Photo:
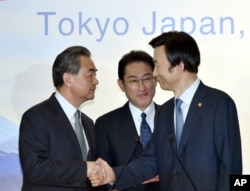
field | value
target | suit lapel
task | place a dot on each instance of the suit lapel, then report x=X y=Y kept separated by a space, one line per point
x=165 y=122
x=62 y=121
x=127 y=127
x=170 y=115
x=195 y=110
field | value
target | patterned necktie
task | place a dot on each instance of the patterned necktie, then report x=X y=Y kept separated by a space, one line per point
x=145 y=131
x=79 y=134
x=179 y=121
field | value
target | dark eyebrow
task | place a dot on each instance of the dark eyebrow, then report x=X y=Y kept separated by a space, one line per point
x=148 y=74
x=145 y=75
x=92 y=70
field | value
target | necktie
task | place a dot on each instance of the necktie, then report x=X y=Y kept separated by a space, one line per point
x=179 y=121
x=145 y=131
x=79 y=134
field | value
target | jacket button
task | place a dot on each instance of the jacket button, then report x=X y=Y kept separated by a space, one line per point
x=175 y=173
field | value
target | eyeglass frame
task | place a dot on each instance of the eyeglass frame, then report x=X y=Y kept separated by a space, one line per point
x=144 y=80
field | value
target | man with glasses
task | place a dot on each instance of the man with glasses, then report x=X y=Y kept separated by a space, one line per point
x=123 y=133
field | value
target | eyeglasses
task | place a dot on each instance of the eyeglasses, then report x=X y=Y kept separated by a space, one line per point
x=145 y=81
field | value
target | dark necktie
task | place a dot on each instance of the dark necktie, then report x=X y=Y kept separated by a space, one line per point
x=179 y=121
x=145 y=131
x=79 y=134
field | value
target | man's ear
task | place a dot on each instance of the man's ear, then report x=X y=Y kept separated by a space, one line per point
x=181 y=66
x=67 y=79
x=121 y=84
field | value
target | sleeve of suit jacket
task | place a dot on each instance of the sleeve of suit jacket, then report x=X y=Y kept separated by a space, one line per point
x=227 y=141
x=138 y=170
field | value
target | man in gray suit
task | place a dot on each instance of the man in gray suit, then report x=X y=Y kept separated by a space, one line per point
x=196 y=144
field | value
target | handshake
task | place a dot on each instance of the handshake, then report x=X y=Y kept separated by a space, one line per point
x=100 y=173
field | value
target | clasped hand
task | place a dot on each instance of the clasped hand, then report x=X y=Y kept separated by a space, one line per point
x=100 y=173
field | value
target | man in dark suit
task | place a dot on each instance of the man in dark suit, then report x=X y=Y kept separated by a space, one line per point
x=50 y=153
x=118 y=131
x=208 y=148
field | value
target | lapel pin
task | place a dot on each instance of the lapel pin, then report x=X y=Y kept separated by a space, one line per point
x=199 y=104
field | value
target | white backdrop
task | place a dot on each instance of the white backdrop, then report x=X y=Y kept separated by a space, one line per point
x=34 y=32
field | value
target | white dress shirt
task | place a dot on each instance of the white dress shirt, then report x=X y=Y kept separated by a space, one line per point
x=69 y=110
x=136 y=114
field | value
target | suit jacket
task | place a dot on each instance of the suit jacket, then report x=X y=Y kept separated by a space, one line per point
x=210 y=146
x=49 y=151
x=117 y=138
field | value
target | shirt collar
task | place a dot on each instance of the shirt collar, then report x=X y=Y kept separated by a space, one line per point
x=67 y=107
x=150 y=110
x=188 y=94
